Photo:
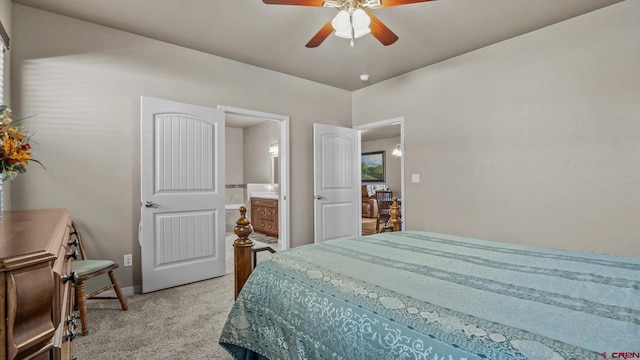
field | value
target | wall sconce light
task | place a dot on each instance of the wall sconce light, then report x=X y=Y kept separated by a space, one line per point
x=397 y=151
x=273 y=149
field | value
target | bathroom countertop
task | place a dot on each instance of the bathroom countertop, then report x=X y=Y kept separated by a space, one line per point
x=264 y=195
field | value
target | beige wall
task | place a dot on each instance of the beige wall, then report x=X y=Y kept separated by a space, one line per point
x=533 y=140
x=257 y=160
x=84 y=82
x=234 y=154
x=392 y=163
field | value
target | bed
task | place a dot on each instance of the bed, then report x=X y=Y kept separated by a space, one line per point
x=420 y=295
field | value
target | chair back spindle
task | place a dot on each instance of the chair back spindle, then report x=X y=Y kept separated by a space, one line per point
x=75 y=233
x=87 y=269
x=384 y=198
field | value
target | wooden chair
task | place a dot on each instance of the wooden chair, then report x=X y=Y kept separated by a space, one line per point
x=87 y=269
x=384 y=198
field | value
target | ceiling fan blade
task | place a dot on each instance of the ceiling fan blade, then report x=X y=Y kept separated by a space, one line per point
x=391 y=3
x=295 y=2
x=320 y=36
x=380 y=31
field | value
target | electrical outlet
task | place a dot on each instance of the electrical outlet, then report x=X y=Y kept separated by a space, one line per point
x=128 y=260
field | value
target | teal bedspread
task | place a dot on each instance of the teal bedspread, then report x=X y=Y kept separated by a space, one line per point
x=418 y=295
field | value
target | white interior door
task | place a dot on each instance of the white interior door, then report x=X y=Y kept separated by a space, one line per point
x=182 y=193
x=336 y=165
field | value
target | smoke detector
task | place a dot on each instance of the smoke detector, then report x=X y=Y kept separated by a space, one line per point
x=364 y=77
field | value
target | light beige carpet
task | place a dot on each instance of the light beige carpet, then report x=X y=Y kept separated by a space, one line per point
x=184 y=322
x=264 y=238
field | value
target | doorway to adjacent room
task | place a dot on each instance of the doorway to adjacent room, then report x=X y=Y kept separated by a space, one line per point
x=257 y=176
x=382 y=168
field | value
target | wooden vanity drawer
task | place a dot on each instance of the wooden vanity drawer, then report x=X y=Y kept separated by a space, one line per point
x=264 y=202
x=271 y=214
x=270 y=226
x=264 y=216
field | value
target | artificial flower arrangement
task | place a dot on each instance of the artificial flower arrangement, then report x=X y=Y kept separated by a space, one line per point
x=14 y=146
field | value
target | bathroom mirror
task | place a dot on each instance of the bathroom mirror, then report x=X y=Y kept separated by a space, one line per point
x=275 y=169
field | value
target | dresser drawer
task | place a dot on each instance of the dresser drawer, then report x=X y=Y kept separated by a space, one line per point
x=264 y=202
x=34 y=298
x=66 y=332
x=63 y=303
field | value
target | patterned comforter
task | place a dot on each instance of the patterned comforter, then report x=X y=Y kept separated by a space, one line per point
x=418 y=295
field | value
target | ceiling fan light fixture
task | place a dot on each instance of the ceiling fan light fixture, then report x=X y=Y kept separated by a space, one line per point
x=360 y=21
x=352 y=20
x=342 y=24
x=343 y=34
x=353 y=25
x=361 y=32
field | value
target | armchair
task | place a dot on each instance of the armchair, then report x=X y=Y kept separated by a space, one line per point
x=369 y=206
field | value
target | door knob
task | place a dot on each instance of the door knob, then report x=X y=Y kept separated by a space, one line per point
x=318 y=197
x=150 y=204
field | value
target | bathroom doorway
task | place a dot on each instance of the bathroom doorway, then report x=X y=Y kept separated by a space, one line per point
x=257 y=174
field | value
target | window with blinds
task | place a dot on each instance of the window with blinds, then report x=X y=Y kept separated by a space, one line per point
x=2 y=72
x=4 y=46
x=2 y=102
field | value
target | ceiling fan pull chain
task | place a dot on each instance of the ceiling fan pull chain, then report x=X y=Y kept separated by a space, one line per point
x=353 y=31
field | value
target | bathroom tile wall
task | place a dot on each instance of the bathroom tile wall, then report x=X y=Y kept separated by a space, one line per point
x=235 y=195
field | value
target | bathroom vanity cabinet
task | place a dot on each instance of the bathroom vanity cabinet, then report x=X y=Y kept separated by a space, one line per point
x=264 y=215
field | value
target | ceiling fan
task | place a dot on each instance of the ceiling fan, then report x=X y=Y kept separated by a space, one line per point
x=354 y=19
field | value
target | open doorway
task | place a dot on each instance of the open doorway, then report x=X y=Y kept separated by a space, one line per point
x=256 y=154
x=382 y=169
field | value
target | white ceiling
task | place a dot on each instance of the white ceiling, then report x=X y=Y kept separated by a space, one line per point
x=273 y=36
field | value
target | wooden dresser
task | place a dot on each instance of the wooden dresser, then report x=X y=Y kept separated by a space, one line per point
x=36 y=294
x=264 y=216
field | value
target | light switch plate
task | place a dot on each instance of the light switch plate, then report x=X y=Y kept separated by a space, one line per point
x=415 y=178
